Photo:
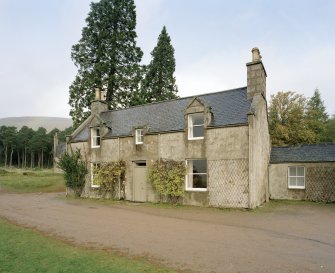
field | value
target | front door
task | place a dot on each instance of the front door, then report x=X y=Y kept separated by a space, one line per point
x=140 y=182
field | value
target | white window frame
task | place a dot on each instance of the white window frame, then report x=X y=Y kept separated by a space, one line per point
x=190 y=125
x=139 y=136
x=94 y=165
x=296 y=176
x=94 y=137
x=187 y=188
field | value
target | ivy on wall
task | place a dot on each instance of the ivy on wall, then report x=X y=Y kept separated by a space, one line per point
x=109 y=175
x=168 y=178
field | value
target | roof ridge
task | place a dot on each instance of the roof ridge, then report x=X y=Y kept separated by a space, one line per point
x=177 y=99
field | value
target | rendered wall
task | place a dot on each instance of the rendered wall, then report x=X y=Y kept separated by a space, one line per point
x=259 y=150
x=226 y=150
x=319 y=182
x=227 y=158
x=130 y=152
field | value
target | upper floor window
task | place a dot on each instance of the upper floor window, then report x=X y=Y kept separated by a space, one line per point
x=95 y=137
x=139 y=136
x=196 y=126
x=196 y=178
x=296 y=177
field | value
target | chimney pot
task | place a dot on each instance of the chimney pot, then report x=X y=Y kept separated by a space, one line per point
x=256 y=56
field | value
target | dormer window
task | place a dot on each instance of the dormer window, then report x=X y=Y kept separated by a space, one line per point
x=95 y=138
x=196 y=126
x=139 y=136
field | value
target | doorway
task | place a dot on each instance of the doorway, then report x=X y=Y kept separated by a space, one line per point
x=140 y=181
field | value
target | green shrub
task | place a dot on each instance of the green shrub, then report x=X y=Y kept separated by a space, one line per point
x=109 y=175
x=168 y=178
x=75 y=171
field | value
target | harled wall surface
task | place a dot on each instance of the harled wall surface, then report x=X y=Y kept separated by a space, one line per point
x=319 y=182
x=259 y=151
x=226 y=151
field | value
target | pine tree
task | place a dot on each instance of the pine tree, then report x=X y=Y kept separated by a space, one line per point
x=329 y=135
x=316 y=116
x=159 y=83
x=106 y=56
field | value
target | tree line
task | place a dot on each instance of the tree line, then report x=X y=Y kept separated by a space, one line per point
x=27 y=148
x=295 y=119
x=108 y=58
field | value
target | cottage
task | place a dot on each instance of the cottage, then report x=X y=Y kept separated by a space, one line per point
x=223 y=138
x=303 y=172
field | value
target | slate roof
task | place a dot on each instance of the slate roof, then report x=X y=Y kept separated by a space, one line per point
x=324 y=152
x=60 y=149
x=229 y=107
x=82 y=136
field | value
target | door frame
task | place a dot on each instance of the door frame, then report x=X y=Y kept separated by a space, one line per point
x=136 y=165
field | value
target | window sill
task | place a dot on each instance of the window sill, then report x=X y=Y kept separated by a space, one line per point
x=197 y=190
x=95 y=186
x=195 y=138
x=139 y=143
x=95 y=147
x=296 y=188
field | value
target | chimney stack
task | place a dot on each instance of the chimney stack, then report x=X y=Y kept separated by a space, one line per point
x=98 y=105
x=97 y=93
x=256 y=75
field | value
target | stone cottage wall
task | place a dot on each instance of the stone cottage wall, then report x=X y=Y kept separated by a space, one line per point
x=227 y=155
x=259 y=152
x=319 y=182
x=226 y=151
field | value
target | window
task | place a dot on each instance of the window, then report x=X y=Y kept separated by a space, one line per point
x=141 y=163
x=95 y=137
x=94 y=166
x=196 y=178
x=196 y=126
x=139 y=136
x=296 y=177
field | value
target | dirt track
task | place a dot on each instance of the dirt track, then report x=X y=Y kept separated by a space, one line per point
x=291 y=238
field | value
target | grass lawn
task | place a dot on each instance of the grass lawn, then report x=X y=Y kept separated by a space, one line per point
x=23 y=250
x=19 y=180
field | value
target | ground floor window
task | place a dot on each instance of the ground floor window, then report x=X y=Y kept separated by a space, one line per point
x=196 y=178
x=296 y=177
x=94 y=167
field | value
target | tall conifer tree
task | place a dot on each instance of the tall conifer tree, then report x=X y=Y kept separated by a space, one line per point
x=316 y=116
x=159 y=83
x=106 y=56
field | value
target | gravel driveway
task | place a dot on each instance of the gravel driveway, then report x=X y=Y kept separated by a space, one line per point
x=287 y=238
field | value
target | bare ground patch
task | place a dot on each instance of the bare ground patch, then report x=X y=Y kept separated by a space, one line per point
x=282 y=237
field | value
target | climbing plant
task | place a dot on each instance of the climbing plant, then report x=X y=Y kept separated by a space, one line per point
x=109 y=176
x=168 y=178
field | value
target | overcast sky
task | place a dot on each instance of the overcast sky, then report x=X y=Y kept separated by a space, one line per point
x=212 y=41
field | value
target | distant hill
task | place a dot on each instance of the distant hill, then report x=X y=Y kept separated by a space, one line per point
x=48 y=123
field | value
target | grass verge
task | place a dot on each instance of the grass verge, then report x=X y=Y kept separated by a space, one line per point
x=23 y=250
x=19 y=180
